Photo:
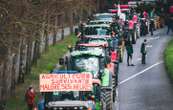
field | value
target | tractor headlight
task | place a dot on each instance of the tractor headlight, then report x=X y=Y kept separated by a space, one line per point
x=55 y=108
x=60 y=108
x=75 y=108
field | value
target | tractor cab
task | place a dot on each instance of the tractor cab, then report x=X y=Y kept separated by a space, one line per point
x=111 y=42
x=91 y=61
x=99 y=46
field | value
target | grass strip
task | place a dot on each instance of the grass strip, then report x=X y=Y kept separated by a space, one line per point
x=168 y=58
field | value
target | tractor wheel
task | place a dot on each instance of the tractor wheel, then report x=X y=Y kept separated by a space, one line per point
x=114 y=83
x=107 y=100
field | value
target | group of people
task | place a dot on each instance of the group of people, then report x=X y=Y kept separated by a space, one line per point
x=128 y=44
x=129 y=49
x=30 y=100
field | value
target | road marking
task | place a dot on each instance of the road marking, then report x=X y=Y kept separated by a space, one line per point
x=149 y=46
x=141 y=72
x=117 y=101
x=154 y=38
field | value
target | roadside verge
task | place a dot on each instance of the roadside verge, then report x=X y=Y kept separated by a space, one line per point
x=168 y=58
x=47 y=62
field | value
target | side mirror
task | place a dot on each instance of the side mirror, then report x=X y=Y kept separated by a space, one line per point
x=76 y=31
x=61 y=61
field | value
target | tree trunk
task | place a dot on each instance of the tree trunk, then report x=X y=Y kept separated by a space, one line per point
x=36 y=51
x=46 y=40
x=55 y=30
x=21 y=64
x=62 y=33
x=28 y=62
x=4 y=87
x=54 y=37
x=13 y=80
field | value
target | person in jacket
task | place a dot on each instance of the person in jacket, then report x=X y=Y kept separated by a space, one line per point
x=91 y=103
x=30 y=98
x=143 y=51
x=41 y=103
x=152 y=15
x=169 y=24
x=129 y=50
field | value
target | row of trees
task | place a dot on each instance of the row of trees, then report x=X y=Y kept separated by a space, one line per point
x=25 y=26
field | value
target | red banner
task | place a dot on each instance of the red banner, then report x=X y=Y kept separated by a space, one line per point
x=65 y=82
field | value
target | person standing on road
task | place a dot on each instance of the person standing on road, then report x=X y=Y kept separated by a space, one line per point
x=30 y=98
x=129 y=49
x=152 y=15
x=169 y=24
x=143 y=51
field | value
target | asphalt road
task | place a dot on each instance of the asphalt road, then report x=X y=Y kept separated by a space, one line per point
x=146 y=87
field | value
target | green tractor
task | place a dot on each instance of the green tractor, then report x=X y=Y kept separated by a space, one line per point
x=94 y=62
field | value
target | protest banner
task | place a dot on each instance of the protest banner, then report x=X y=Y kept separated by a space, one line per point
x=65 y=82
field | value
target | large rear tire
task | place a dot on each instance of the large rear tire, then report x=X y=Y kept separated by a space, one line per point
x=114 y=81
x=107 y=100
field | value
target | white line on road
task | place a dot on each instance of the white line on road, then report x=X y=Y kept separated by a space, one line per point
x=117 y=103
x=153 y=38
x=141 y=72
x=149 y=46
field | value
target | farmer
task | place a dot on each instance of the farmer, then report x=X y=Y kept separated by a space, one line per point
x=30 y=98
x=143 y=51
x=129 y=49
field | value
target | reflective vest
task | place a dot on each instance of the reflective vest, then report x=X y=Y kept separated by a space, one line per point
x=131 y=24
x=171 y=9
x=135 y=18
x=114 y=56
x=105 y=77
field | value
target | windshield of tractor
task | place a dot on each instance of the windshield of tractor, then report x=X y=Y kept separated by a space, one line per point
x=90 y=64
x=104 y=17
x=99 y=41
x=61 y=96
x=99 y=22
x=97 y=31
x=85 y=48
